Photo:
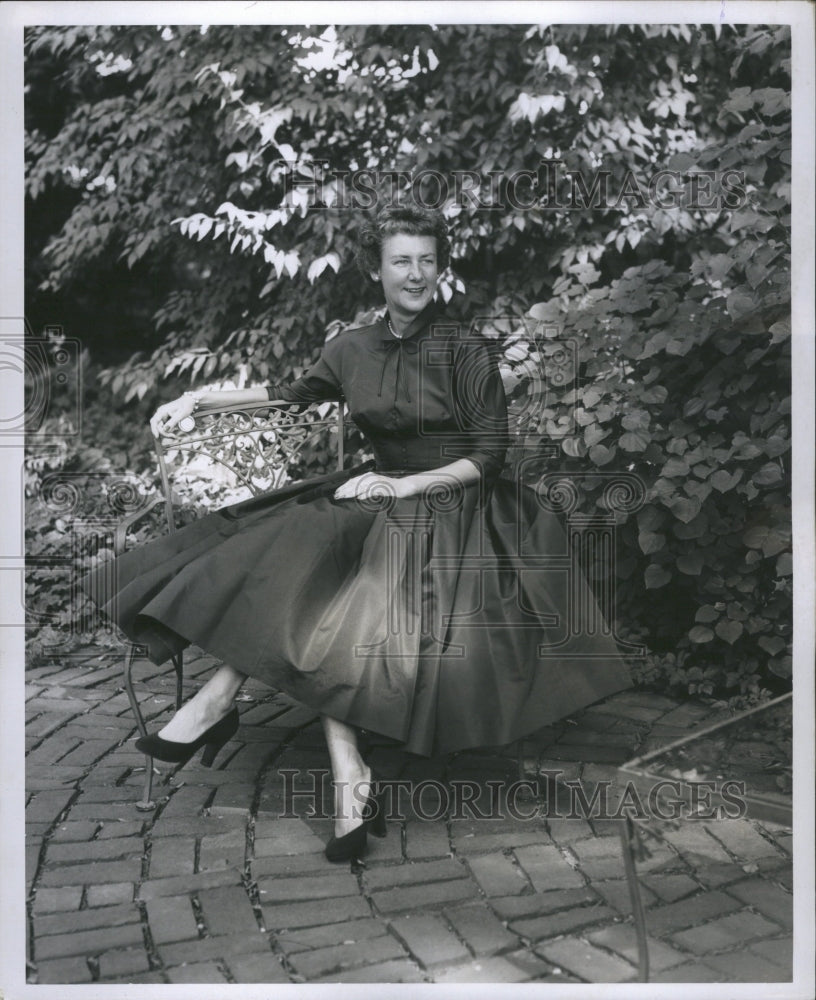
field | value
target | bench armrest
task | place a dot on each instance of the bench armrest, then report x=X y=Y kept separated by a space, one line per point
x=247 y=437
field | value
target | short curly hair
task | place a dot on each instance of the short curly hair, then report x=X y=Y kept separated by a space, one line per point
x=405 y=218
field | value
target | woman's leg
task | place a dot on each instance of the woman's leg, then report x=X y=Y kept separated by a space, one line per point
x=352 y=778
x=209 y=704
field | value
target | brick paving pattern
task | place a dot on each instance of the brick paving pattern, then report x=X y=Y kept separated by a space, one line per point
x=211 y=884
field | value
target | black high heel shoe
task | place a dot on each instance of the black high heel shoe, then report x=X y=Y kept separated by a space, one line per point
x=212 y=739
x=374 y=811
x=353 y=844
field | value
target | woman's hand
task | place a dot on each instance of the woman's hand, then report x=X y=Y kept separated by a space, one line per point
x=371 y=486
x=169 y=414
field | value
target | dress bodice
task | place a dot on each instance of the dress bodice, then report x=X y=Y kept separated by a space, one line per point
x=422 y=400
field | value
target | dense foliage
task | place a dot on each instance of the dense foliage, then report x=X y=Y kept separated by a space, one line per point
x=189 y=219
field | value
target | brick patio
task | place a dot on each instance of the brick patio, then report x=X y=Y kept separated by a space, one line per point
x=211 y=885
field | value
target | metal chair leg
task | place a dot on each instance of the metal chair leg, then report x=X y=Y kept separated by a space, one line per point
x=147 y=802
x=629 y=837
x=130 y=656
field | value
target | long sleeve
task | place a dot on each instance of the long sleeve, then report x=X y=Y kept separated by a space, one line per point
x=481 y=406
x=319 y=383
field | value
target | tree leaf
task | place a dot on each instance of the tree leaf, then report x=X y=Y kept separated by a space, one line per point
x=691 y=563
x=636 y=420
x=574 y=447
x=700 y=634
x=728 y=630
x=775 y=446
x=744 y=218
x=594 y=434
x=654 y=394
x=634 y=441
x=697 y=489
x=748 y=450
x=675 y=467
x=651 y=541
x=656 y=576
x=684 y=509
x=780 y=331
x=755 y=536
x=650 y=518
x=781 y=666
x=769 y=475
x=772 y=644
x=775 y=541
x=601 y=455
x=724 y=481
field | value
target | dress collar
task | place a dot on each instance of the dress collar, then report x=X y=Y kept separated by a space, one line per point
x=419 y=323
x=407 y=344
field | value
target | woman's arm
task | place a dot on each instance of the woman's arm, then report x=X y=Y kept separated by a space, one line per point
x=169 y=414
x=462 y=471
x=319 y=383
x=481 y=407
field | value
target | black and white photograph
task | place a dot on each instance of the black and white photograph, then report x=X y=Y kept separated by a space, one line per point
x=407 y=454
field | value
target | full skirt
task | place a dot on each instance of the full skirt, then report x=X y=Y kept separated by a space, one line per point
x=441 y=622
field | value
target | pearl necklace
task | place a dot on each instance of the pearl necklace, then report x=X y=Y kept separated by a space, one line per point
x=391 y=329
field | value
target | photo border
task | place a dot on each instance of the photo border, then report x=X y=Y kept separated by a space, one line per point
x=13 y=17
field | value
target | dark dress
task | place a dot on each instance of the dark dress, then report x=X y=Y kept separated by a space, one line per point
x=443 y=621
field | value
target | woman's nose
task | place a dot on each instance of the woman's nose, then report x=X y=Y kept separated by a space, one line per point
x=414 y=270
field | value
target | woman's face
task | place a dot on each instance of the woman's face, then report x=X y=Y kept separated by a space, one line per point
x=408 y=273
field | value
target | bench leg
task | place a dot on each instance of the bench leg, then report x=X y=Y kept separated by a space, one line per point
x=629 y=838
x=130 y=656
x=147 y=802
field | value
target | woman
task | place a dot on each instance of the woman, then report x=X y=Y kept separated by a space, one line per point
x=426 y=600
